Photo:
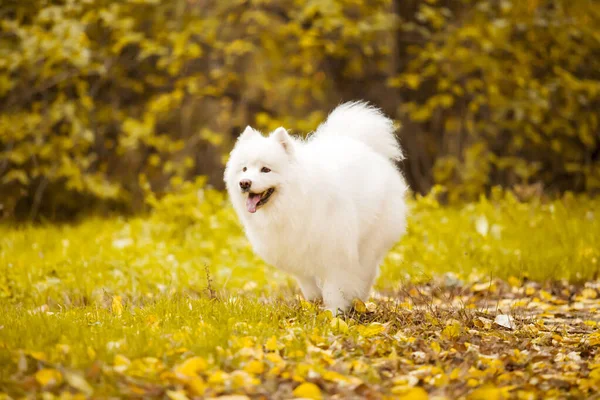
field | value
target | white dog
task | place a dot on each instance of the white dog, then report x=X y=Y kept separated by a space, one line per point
x=327 y=209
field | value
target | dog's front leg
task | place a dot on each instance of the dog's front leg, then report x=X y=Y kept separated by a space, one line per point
x=334 y=298
x=310 y=289
x=340 y=289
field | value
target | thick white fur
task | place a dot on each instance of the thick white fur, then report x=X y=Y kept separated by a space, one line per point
x=338 y=206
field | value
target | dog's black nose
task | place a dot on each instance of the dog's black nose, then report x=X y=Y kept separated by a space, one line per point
x=245 y=184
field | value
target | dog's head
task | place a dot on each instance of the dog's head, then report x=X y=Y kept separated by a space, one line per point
x=257 y=168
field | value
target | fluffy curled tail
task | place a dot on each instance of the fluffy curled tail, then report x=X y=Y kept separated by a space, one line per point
x=367 y=124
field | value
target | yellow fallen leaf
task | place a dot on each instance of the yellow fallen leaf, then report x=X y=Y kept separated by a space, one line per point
x=484 y=286
x=272 y=344
x=254 y=367
x=529 y=291
x=190 y=367
x=411 y=393
x=416 y=394
x=308 y=390
x=275 y=358
x=359 y=306
x=373 y=329
x=360 y=367
x=590 y=323
x=489 y=393
x=242 y=379
x=558 y=338
x=121 y=363
x=514 y=282
x=333 y=376
x=452 y=330
x=307 y=305
x=520 y=303
x=338 y=325
x=48 y=377
x=196 y=386
x=545 y=295
x=295 y=354
x=218 y=378
x=78 y=382
x=472 y=382
x=121 y=360
x=526 y=394
x=435 y=346
x=455 y=374
x=402 y=383
x=177 y=395
x=301 y=371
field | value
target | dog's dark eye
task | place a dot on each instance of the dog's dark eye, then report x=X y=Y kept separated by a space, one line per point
x=265 y=170
x=244 y=169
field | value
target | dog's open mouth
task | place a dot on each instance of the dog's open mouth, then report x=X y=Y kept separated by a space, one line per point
x=255 y=200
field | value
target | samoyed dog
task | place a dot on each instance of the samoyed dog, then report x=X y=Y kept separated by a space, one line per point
x=326 y=209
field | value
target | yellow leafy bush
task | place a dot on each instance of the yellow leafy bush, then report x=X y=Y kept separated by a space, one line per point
x=505 y=93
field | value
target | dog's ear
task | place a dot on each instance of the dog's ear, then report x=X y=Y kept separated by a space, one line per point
x=248 y=133
x=282 y=136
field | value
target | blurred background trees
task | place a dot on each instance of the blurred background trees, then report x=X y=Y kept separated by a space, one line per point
x=102 y=100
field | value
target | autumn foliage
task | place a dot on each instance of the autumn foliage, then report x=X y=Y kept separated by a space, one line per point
x=99 y=98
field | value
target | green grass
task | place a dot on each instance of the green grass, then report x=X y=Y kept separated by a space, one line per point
x=189 y=285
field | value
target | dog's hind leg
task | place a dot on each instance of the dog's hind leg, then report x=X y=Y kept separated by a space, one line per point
x=376 y=244
x=372 y=253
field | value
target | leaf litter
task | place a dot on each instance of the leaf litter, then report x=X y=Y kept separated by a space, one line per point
x=487 y=340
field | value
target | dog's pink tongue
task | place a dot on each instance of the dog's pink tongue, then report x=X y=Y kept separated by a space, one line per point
x=252 y=202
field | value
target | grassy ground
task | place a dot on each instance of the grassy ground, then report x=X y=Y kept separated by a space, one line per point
x=491 y=300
